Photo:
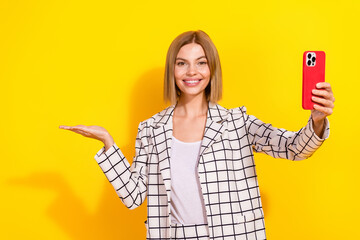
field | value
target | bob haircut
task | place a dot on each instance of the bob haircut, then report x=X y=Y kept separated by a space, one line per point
x=213 y=90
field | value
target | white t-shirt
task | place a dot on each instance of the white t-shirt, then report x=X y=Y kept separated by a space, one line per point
x=187 y=203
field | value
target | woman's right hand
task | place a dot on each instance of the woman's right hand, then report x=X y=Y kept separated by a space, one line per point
x=96 y=132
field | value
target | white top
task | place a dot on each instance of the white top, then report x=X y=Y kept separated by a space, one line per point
x=187 y=203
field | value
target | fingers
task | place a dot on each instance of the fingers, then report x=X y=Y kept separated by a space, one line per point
x=322 y=101
x=324 y=98
x=325 y=85
x=81 y=129
x=327 y=111
x=81 y=132
x=77 y=127
x=325 y=92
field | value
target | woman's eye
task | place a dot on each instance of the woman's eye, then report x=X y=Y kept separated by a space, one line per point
x=202 y=63
x=180 y=63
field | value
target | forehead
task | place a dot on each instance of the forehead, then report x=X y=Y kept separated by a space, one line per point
x=191 y=50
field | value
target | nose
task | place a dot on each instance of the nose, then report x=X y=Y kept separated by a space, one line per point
x=191 y=69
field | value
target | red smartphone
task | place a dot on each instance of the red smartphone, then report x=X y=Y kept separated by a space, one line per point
x=313 y=72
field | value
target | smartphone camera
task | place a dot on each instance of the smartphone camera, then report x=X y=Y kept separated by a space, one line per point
x=311 y=59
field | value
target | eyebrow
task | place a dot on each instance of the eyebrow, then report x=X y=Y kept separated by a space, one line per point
x=186 y=60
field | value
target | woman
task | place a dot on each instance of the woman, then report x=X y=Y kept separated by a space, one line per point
x=211 y=189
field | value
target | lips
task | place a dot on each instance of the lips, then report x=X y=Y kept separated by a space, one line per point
x=191 y=82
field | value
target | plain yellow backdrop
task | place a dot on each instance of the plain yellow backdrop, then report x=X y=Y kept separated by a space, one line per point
x=102 y=63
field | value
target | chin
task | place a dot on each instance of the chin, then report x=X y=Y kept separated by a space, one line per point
x=192 y=94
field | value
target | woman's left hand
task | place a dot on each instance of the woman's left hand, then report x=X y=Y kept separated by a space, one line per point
x=324 y=102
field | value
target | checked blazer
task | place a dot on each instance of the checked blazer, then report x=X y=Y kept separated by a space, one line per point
x=226 y=169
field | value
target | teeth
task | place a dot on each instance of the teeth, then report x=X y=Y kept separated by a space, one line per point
x=192 y=81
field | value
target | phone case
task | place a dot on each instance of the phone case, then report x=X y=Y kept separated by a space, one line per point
x=313 y=72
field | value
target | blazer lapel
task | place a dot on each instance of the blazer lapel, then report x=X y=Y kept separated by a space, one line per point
x=215 y=125
x=162 y=136
x=162 y=140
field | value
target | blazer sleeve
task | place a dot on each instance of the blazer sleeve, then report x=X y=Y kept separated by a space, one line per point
x=281 y=143
x=129 y=182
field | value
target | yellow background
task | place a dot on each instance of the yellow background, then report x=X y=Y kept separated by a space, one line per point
x=102 y=62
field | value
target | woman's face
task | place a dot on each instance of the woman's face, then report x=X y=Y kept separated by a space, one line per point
x=192 y=73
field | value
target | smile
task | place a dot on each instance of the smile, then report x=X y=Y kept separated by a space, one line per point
x=191 y=82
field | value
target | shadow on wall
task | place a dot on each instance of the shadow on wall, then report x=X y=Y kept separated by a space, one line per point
x=111 y=219
x=147 y=98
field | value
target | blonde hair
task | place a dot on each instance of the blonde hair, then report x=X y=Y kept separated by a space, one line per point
x=213 y=91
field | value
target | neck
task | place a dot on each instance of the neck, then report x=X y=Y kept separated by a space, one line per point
x=192 y=106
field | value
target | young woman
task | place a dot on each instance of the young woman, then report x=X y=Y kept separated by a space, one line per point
x=194 y=159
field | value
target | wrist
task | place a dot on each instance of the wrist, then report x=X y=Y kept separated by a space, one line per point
x=108 y=140
x=319 y=122
x=319 y=127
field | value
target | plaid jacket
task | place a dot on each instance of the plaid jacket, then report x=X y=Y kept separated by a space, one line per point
x=226 y=169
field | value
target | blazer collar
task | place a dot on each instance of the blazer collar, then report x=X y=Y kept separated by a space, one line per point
x=216 y=113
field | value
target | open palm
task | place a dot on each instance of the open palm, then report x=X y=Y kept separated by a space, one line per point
x=93 y=131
